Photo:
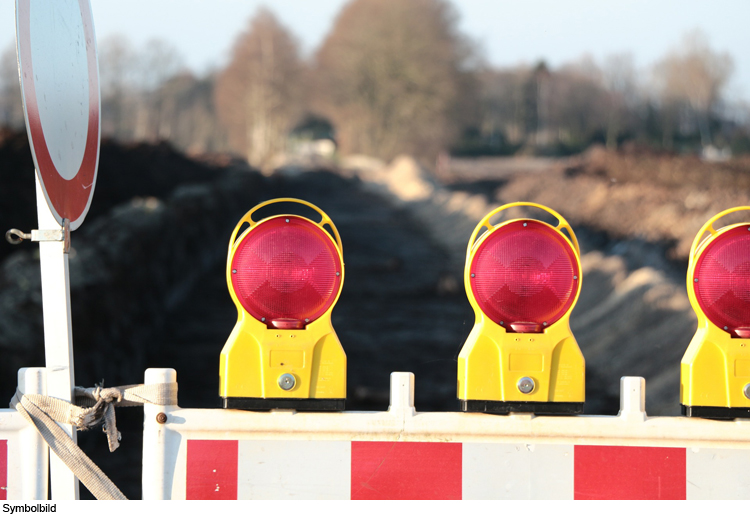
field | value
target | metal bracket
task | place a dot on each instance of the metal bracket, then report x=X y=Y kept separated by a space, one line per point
x=16 y=236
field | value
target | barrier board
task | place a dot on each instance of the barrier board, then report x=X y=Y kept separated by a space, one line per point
x=402 y=454
x=24 y=457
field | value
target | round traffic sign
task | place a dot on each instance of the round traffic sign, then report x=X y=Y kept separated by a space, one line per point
x=60 y=85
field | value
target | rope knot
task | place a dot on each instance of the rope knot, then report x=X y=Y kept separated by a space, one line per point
x=103 y=410
x=110 y=395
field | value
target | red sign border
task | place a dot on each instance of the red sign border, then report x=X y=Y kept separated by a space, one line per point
x=69 y=199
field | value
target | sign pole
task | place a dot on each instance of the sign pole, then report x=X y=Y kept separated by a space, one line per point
x=58 y=337
x=59 y=76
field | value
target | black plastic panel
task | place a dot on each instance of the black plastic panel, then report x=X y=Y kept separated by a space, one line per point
x=726 y=413
x=505 y=407
x=298 y=404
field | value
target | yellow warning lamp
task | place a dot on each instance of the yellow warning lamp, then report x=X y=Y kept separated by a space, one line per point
x=715 y=370
x=523 y=278
x=285 y=274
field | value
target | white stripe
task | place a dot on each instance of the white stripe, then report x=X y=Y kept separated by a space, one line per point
x=517 y=471
x=717 y=473
x=278 y=469
x=57 y=37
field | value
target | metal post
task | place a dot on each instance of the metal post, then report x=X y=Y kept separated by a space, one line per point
x=58 y=337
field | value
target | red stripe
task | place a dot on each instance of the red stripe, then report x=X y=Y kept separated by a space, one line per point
x=406 y=470
x=211 y=470
x=3 y=470
x=629 y=473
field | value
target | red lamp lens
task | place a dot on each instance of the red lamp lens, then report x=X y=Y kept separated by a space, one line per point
x=523 y=275
x=287 y=270
x=722 y=288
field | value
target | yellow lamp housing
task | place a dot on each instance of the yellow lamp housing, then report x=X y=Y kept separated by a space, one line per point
x=523 y=278
x=285 y=274
x=715 y=370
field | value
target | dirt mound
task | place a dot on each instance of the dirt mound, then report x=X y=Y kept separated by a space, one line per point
x=659 y=198
x=633 y=164
x=125 y=171
x=405 y=178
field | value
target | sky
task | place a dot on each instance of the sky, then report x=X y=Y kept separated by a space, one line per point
x=508 y=32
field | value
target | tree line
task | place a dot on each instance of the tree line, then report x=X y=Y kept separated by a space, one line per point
x=397 y=76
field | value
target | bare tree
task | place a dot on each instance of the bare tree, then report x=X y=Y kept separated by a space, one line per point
x=258 y=95
x=501 y=95
x=620 y=82
x=11 y=103
x=156 y=64
x=542 y=109
x=189 y=114
x=117 y=78
x=148 y=95
x=696 y=75
x=578 y=102
x=395 y=77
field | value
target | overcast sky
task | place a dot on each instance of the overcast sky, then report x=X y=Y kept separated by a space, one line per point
x=509 y=32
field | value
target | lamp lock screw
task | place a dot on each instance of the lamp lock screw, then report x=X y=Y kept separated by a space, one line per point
x=526 y=385
x=287 y=382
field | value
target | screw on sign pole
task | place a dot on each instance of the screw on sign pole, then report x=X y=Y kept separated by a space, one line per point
x=59 y=77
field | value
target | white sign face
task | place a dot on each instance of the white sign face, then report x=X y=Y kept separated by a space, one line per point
x=61 y=74
x=60 y=86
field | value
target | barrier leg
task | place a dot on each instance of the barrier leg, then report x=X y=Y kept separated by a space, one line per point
x=632 y=398
x=156 y=480
x=35 y=455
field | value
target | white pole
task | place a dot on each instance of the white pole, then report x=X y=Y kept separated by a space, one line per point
x=402 y=393
x=156 y=480
x=35 y=453
x=58 y=337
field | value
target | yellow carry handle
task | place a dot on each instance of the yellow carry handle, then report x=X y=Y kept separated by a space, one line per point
x=485 y=222
x=248 y=219
x=709 y=227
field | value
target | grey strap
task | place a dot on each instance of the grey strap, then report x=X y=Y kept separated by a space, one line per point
x=43 y=411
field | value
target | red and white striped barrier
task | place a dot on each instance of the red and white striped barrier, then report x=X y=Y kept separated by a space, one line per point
x=402 y=454
x=24 y=457
x=264 y=469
